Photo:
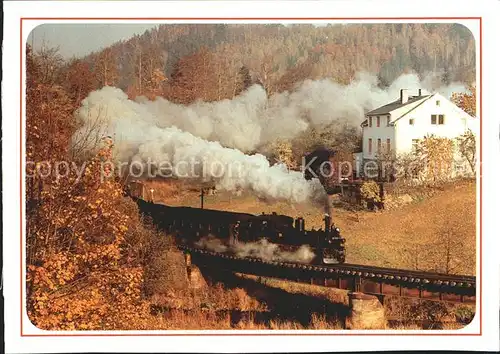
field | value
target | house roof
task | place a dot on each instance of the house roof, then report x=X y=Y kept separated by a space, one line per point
x=404 y=114
x=394 y=105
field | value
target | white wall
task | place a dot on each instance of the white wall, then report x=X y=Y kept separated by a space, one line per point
x=456 y=123
x=383 y=132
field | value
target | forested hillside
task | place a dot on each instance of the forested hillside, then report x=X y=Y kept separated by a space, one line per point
x=216 y=61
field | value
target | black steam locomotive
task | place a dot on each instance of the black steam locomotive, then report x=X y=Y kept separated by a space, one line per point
x=189 y=225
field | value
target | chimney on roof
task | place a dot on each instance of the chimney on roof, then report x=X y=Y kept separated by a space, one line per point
x=420 y=92
x=403 y=97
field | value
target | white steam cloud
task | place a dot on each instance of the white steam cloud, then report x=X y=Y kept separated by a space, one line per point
x=139 y=139
x=253 y=119
x=208 y=140
x=262 y=249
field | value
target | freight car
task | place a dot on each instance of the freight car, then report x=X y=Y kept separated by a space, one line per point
x=189 y=225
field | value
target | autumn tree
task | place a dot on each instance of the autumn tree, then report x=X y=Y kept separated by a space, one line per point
x=82 y=252
x=106 y=70
x=149 y=72
x=386 y=162
x=48 y=129
x=49 y=63
x=466 y=101
x=193 y=78
x=453 y=247
x=436 y=154
x=244 y=82
x=203 y=76
x=370 y=194
x=266 y=71
x=282 y=153
x=295 y=75
x=408 y=167
x=466 y=144
x=78 y=275
x=80 y=80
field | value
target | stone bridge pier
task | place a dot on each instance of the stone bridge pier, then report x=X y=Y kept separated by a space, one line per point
x=366 y=312
x=196 y=280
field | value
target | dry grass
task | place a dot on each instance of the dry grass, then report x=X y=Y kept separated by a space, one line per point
x=167 y=189
x=331 y=294
x=416 y=311
x=402 y=238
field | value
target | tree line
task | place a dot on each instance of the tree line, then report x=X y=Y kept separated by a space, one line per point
x=184 y=63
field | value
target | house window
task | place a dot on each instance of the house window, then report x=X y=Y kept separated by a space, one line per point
x=370 y=146
x=388 y=120
x=437 y=119
x=378 y=121
x=379 y=145
x=438 y=103
x=414 y=144
x=388 y=145
x=412 y=121
x=369 y=121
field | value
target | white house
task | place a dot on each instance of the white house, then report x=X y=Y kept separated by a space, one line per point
x=397 y=126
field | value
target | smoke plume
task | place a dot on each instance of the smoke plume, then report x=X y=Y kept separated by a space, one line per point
x=141 y=140
x=262 y=249
x=252 y=119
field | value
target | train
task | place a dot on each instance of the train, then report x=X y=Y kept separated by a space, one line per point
x=190 y=225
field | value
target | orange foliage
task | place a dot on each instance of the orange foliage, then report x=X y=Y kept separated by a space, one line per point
x=78 y=276
x=82 y=272
x=80 y=80
x=465 y=101
x=106 y=68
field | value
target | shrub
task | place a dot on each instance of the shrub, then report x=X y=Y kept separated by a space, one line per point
x=370 y=193
x=464 y=314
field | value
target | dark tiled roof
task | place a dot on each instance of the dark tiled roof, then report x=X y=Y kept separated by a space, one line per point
x=394 y=105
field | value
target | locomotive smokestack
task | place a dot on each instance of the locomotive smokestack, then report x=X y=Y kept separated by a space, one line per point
x=328 y=222
x=329 y=208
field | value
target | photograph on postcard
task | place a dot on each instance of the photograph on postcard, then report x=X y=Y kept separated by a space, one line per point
x=251 y=176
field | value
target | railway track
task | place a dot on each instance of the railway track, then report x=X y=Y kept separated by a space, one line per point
x=354 y=277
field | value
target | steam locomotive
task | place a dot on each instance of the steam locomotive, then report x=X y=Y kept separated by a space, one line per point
x=190 y=225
